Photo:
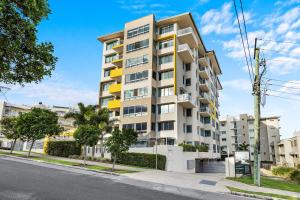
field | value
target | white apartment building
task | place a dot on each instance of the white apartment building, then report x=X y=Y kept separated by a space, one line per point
x=238 y=130
x=159 y=79
x=289 y=151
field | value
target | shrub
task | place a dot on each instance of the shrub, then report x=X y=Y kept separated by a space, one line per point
x=74 y=156
x=188 y=147
x=142 y=160
x=295 y=176
x=282 y=171
x=63 y=148
x=298 y=166
x=202 y=148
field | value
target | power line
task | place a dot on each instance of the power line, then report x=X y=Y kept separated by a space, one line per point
x=287 y=42
x=282 y=80
x=285 y=86
x=282 y=52
x=294 y=99
x=284 y=92
x=250 y=58
x=237 y=16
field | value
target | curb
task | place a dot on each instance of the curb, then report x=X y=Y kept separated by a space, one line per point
x=254 y=196
x=69 y=166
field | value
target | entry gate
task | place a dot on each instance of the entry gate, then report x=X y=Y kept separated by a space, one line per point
x=209 y=166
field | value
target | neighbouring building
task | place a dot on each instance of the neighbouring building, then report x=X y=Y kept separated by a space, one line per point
x=159 y=79
x=8 y=110
x=238 y=130
x=289 y=151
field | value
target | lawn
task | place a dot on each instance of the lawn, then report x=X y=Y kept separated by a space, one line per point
x=68 y=163
x=232 y=189
x=270 y=183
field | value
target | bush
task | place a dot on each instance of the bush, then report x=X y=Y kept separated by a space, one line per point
x=295 y=176
x=202 y=148
x=142 y=160
x=74 y=156
x=63 y=148
x=188 y=147
x=298 y=166
x=282 y=171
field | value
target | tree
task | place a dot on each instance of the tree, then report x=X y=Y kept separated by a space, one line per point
x=22 y=58
x=86 y=135
x=243 y=147
x=9 y=130
x=119 y=142
x=37 y=124
x=91 y=115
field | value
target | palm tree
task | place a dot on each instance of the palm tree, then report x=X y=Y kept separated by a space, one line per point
x=243 y=147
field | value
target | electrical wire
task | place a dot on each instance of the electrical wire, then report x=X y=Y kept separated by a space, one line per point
x=294 y=99
x=237 y=16
x=287 y=42
x=282 y=52
x=244 y=22
x=282 y=80
x=285 y=86
x=284 y=92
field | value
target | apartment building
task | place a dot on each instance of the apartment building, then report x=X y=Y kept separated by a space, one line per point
x=238 y=130
x=289 y=151
x=9 y=110
x=159 y=79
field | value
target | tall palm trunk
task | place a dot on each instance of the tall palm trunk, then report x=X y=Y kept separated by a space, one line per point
x=13 y=145
x=101 y=148
x=114 y=163
x=84 y=155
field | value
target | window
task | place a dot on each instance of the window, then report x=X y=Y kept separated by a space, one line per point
x=137 y=45
x=110 y=45
x=165 y=44
x=168 y=91
x=110 y=58
x=167 y=108
x=106 y=86
x=166 y=125
x=165 y=59
x=152 y=126
x=188 y=67
x=104 y=101
x=165 y=75
x=188 y=82
x=138 y=127
x=135 y=77
x=131 y=62
x=153 y=109
x=189 y=128
x=214 y=148
x=138 y=31
x=223 y=132
x=106 y=73
x=188 y=112
x=223 y=139
x=207 y=133
x=166 y=29
x=135 y=93
x=134 y=111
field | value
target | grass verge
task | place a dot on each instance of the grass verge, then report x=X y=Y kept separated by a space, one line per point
x=269 y=183
x=233 y=189
x=68 y=163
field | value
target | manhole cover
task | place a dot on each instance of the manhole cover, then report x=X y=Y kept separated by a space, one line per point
x=207 y=182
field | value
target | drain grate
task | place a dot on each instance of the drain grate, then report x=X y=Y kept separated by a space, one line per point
x=207 y=182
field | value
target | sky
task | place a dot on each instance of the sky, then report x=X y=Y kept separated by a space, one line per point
x=73 y=28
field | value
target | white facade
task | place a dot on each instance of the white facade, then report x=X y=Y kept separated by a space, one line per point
x=289 y=151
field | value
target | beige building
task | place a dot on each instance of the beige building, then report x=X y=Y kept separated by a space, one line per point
x=238 y=130
x=159 y=79
x=289 y=151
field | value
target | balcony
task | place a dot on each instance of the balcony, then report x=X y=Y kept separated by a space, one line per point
x=119 y=47
x=188 y=36
x=186 y=101
x=118 y=61
x=203 y=84
x=203 y=72
x=204 y=97
x=204 y=61
x=115 y=73
x=185 y=53
x=114 y=104
x=204 y=111
x=115 y=88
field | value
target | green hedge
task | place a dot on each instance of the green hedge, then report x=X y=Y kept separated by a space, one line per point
x=282 y=171
x=63 y=148
x=142 y=160
x=192 y=148
x=295 y=176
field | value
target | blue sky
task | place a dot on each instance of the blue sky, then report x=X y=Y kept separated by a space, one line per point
x=74 y=26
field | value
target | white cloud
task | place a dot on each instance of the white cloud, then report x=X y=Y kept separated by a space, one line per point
x=238 y=84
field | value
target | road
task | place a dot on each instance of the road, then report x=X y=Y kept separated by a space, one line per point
x=29 y=181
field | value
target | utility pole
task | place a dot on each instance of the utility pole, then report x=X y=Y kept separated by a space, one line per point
x=256 y=93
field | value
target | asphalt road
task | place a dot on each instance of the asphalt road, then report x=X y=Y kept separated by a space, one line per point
x=25 y=181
